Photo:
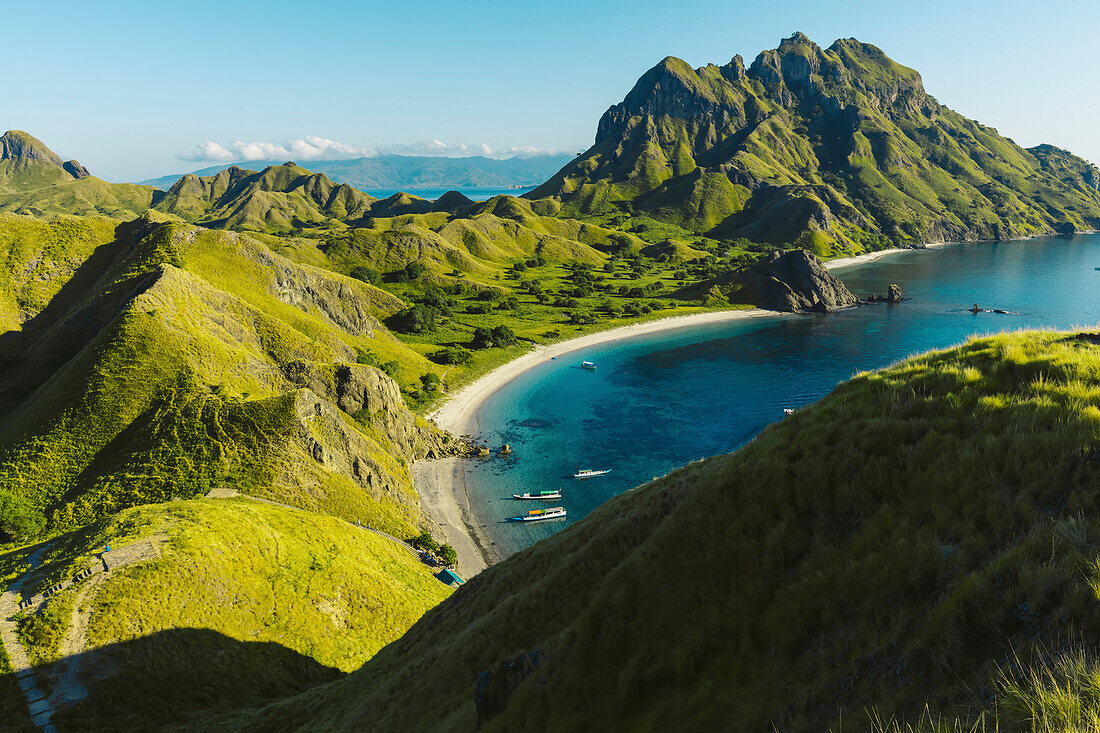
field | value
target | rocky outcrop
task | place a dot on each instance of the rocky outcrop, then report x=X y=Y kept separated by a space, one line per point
x=375 y=400
x=893 y=296
x=75 y=169
x=796 y=280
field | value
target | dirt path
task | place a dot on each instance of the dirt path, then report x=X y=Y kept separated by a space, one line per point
x=40 y=708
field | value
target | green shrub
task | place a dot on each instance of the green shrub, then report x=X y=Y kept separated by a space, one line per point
x=417 y=319
x=453 y=355
x=366 y=274
x=19 y=520
x=425 y=541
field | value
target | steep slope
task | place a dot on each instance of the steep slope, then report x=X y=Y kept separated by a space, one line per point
x=186 y=359
x=837 y=150
x=924 y=536
x=211 y=605
x=278 y=199
x=34 y=180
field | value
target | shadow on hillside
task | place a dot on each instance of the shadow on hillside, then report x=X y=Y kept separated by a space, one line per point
x=14 y=345
x=183 y=677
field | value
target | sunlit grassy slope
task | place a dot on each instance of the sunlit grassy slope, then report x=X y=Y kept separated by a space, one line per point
x=246 y=601
x=916 y=543
x=183 y=359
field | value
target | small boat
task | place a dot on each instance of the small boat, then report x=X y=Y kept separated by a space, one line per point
x=539 y=495
x=589 y=365
x=589 y=473
x=538 y=514
x=787 y=411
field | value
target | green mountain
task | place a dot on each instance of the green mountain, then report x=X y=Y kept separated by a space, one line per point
x=837 y=150
x=174 y=360
x=919 y=545
x=405 y=172
x=35 y=181
x=280 y=198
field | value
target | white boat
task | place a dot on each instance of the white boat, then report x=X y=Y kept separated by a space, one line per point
x=539 y=495
x=589 y=365
x=538 y=514
x=589 y=473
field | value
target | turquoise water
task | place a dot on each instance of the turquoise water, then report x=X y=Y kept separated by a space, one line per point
x=659 y=401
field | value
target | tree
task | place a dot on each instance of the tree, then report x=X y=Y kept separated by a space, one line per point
x=431 y=382
x=409 y=272
x=366 y=274
x=448 y=555
x=417 y=319
x=503 y=336
x=425 y=541
x=485 y=338
x=453 y=355
x=437 y=299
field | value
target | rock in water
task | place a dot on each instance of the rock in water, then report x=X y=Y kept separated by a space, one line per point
x=796 y=280
x=894 y=294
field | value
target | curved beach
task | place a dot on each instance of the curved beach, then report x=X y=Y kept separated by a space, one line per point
x=441 y=483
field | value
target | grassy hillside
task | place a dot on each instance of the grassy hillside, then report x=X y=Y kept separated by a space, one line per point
x=239 y=602
x=34 y=181
x=838 y=150
x=280 y=198
x=922 y=542
x=40 y=258
x=190 y=359
x=510 y=263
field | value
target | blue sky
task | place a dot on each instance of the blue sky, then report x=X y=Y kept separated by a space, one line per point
x=130 y=89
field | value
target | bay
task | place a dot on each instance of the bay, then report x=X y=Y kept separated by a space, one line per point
x=659 y=401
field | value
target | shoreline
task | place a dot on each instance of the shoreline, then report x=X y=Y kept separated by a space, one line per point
x=872 y=256
x=441 y=483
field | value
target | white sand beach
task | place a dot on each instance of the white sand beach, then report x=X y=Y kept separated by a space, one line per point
x=441 y=483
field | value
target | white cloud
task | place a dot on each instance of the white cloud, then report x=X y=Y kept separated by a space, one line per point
x=312 y=147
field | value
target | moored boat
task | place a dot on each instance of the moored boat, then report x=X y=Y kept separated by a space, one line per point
x=535 y=515
x=589 y=473
x=539 y=495
x=589 y=365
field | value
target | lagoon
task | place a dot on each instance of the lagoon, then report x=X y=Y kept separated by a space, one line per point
x=661 y=400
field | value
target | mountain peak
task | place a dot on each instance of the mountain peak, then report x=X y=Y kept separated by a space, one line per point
x=23 y=147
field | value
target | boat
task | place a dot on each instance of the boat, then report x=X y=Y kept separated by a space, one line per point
x=538 y=514
x=589 y=365
x=589 y=473
x=539 y=495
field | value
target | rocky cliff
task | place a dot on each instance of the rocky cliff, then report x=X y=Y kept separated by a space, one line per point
x=796 y=280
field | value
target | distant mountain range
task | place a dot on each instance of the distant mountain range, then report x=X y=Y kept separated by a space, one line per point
x=414 y=172
x=836 y=150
